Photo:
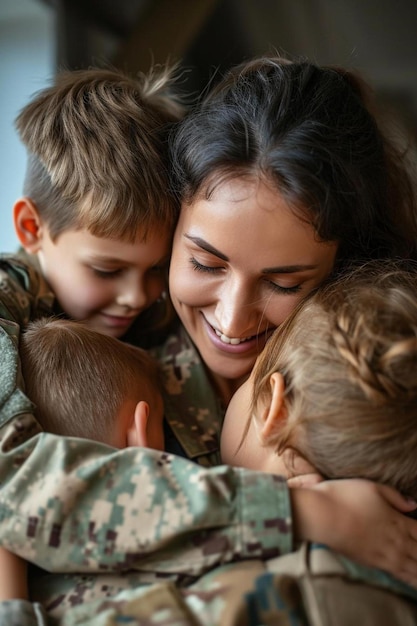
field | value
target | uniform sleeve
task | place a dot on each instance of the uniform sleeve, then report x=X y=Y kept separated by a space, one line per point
x=71 y=505
x=74 y=506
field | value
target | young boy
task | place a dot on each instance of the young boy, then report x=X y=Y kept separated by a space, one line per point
x=85 y=384
x=96 y=215
x=336 y=383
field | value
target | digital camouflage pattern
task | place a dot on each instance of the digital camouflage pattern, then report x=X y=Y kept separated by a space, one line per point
x=71 y=505
x=192 y=410
x=311 y=587
x=146 y=538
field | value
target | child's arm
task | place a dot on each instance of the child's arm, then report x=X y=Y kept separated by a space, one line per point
x=13 y=576
x=362 y=520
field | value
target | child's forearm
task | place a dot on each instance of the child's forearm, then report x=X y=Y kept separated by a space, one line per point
x=13 y=576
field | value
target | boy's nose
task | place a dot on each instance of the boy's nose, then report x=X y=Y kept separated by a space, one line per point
x=133 y=296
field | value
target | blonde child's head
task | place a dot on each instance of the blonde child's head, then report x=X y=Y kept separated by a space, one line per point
x=337 y=382
x=86 y=384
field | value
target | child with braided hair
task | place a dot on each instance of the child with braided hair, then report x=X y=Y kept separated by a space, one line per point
x=337 y=384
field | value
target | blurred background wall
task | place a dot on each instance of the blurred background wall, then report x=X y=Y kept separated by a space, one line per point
x=37 y=37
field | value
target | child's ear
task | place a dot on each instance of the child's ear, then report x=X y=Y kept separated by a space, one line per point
x=136 y=433
x=276 y=411
x=28 y=224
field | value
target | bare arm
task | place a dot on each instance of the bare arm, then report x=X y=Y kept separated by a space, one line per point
x=13 y=576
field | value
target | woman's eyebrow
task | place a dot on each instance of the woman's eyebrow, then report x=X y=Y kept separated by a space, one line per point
x=287 y=269
x=201 y=243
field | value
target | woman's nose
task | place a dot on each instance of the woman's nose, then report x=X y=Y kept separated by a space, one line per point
x=237 y=313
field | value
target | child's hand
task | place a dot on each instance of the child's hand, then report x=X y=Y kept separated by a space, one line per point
x=361 y=520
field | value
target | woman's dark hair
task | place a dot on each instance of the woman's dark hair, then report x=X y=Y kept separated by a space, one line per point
x=308 y=131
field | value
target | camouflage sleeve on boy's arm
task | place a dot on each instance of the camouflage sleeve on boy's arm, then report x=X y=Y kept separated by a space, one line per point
x=24 y=293
x=17 y=423
x=24 y=296
x=73 y=505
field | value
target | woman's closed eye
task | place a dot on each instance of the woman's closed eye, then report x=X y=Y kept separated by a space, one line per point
x=283 y=290
x=199 y=267
x=275 y=287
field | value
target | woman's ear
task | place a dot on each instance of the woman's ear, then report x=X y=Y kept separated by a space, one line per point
x=136 y=432
x=276 y=411
x=28 y=224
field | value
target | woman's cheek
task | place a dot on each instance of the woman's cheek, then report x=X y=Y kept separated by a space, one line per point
x=280 y=307
x=186 y=285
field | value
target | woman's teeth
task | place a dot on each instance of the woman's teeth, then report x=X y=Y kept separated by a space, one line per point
x=234 y=341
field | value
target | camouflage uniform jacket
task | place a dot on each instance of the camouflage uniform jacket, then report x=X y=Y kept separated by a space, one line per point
x=311 y=587
x=71 y=505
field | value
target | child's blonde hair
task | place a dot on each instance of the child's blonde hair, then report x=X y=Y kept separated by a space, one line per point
x=98 y=154
x=78 y=378
x=349 y=360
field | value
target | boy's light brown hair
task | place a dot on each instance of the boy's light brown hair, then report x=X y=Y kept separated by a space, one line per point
x=78 y=378
x=348 y=356
x=98 y=154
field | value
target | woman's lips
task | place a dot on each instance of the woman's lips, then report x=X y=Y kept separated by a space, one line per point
x=235 y=345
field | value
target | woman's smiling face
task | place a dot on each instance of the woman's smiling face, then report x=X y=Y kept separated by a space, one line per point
x=241 y=261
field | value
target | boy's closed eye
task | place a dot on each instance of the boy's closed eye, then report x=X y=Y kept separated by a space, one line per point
x=101 y=273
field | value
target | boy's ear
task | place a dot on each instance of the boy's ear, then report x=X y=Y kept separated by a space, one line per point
x=28 y=224
x=276 y=411
x=136 y=432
